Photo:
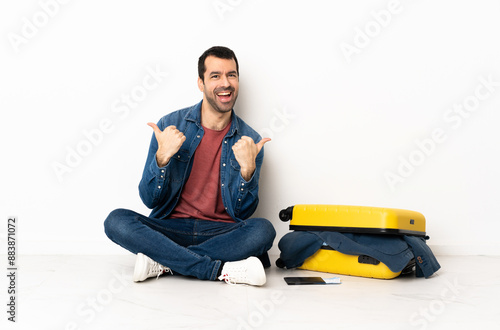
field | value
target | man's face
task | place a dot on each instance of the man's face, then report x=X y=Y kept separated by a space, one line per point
x=221 y=84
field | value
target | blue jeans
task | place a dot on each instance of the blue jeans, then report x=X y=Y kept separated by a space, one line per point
x=189 y=247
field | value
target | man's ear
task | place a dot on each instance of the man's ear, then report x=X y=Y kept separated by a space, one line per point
x=201 y=85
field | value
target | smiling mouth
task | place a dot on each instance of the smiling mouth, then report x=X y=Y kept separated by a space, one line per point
x=225 y=96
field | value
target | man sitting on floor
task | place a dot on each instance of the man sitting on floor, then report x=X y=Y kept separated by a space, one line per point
x=201 y=180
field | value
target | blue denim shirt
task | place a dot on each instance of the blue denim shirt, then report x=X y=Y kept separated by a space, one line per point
x=160 y=188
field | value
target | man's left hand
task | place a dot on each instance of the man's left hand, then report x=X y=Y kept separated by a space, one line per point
x=245 y=152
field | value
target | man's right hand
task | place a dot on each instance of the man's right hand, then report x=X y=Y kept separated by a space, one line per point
x=169 y=142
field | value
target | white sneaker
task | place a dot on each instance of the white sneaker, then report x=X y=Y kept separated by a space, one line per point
x=248 y=271
x=145 y=267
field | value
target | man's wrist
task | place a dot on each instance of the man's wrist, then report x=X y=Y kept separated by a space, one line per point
x=247 y=173
x=162 y=161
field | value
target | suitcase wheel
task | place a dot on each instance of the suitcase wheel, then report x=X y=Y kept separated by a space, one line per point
x=286 y=214
x=280 y=263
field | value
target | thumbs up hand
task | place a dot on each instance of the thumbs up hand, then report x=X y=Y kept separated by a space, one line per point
x=169 y=141
x=245 y=152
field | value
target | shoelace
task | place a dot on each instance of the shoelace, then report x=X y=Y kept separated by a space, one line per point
x=238 y=276
x=226 y=278
x=157 y=269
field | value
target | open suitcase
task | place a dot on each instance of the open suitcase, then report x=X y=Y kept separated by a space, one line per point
x=358 y=220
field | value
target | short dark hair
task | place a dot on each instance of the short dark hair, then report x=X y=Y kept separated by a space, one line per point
x=219 y=52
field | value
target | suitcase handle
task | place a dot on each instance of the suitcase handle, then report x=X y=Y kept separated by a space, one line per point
x=286 y=214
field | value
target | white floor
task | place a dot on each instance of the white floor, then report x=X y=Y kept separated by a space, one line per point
x=96 y=292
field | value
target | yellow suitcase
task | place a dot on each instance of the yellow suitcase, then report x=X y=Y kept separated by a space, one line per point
x=354 y=219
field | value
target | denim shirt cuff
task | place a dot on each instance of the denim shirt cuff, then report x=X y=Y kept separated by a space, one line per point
x=159 y=174
x=250 y=183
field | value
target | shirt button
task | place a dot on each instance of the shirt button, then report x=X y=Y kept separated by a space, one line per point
x=198 y=136
x=223 y=185
x=159 y=187
x=162 y=171
x=225 y=141
x=242 y=184
x=224 y=164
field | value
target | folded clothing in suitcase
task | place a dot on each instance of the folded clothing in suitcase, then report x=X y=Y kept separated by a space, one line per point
x=354 y=219
x=366 y=255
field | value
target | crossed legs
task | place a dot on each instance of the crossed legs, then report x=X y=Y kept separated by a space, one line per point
x=189 y=247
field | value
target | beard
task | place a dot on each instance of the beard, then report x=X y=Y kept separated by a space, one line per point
x=219 y=106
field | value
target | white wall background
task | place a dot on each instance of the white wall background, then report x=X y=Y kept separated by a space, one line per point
x=346 y=89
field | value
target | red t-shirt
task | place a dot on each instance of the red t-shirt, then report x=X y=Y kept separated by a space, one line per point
x=201 y=196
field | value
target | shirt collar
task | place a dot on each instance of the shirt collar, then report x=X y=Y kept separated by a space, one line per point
x=194 y=115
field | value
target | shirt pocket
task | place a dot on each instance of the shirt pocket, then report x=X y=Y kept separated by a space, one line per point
x=234 y=164
x=179 y=164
